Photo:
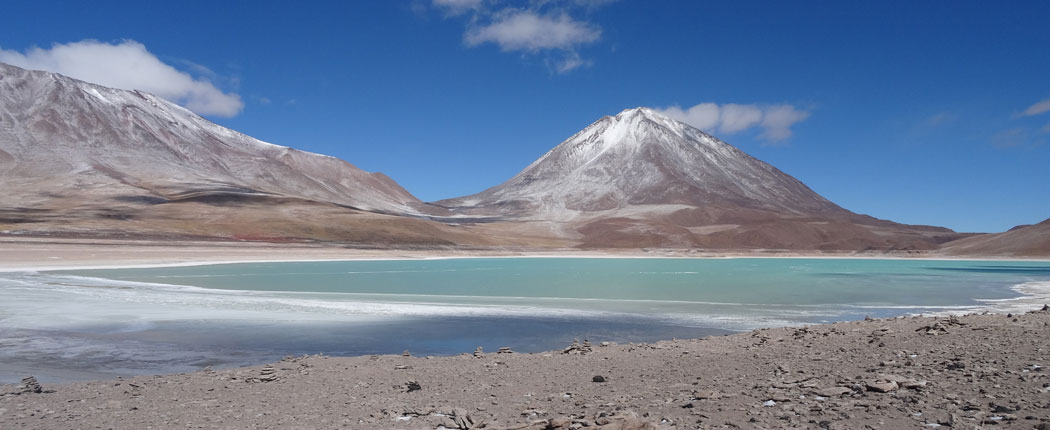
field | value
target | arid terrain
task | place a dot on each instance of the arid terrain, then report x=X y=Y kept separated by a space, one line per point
x=975 y=371
x=1023 y=240
x=84 y=160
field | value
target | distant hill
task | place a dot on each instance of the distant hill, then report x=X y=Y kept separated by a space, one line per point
x=1021 y=241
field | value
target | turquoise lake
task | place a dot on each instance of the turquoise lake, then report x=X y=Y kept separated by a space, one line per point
x=83 y=324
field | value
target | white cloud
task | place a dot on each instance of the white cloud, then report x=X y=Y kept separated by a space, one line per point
x=938 y=119
x=777 y=121
x=1010 y=138
x=458 y=7
x=1038 y=108
x=570 y=62
x=774 y=120
x=529 y=31
x=704 y=116
x=544 y=28
x=128 y=65
x=737 y=118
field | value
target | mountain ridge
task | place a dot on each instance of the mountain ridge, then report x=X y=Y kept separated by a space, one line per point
x=68 y=127
x=83 y=158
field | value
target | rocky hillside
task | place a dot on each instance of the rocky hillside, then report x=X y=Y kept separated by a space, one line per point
x=1021 y=241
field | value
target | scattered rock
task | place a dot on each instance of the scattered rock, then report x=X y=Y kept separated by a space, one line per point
x=560 y=423
x=882 y=386
x=705 y=394
x=465 y=421
x=411 y=386
x=624 y=421
x=934 y=329
x=598 y=378
x=833 y=391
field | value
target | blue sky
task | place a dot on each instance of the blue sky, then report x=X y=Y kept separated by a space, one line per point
x=933 y=112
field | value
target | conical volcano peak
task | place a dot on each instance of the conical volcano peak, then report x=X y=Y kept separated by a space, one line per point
x=640 y=111
x=637 y=158
x=632 y=127
x=642 y=120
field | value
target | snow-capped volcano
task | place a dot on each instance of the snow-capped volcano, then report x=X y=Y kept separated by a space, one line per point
x=60 y=137
x=640 y=157
x=642 y=179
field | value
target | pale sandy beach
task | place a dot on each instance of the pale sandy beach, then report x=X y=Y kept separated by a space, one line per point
x=62 y=254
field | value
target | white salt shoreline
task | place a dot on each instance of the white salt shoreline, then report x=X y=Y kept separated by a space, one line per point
x=30 y=267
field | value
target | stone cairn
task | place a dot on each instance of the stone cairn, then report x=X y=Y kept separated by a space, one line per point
x=578 y=348
x=30 y=386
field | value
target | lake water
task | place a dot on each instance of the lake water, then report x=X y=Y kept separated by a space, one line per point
x=85 y=324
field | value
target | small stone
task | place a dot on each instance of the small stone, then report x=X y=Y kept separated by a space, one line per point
x=598 y=378
x=459 y=416
x=479 y=352
x=504 y=350
x=560 y=423
x=704 y=394
x=413 y=386
x=882 y=386
x=406 y=354
x=833 y=391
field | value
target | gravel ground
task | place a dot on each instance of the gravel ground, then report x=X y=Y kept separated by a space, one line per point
x=974 y=371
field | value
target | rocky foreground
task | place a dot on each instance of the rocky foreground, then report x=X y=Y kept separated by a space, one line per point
x=975 y=371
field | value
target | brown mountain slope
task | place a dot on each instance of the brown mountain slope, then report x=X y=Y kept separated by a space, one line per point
x=1026 y=241
x=87 y=160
